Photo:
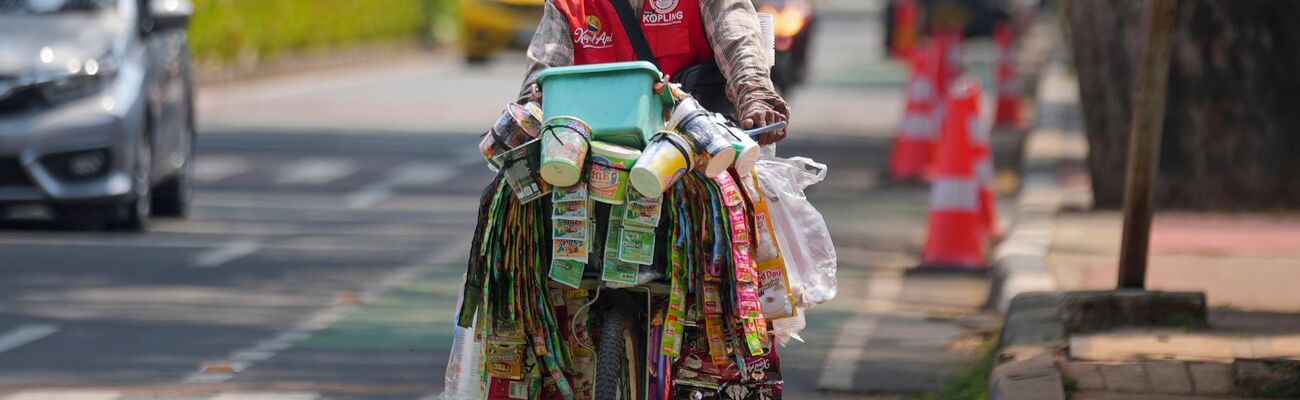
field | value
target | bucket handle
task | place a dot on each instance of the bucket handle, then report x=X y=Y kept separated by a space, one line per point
x=551 y=130
x=685 y=153
x=586 y=167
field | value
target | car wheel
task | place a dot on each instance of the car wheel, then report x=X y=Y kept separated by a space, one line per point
x=172 y=197
x=135 y=213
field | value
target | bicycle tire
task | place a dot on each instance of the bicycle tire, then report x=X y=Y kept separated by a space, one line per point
x=617 y=355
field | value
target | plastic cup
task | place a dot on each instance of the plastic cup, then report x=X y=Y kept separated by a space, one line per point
x=488 y=147
x=611 y=167
x=713 y=139
x=747 y=151
x=517 y=125
x=564 y=149
x=708 y=135
x=663 y=161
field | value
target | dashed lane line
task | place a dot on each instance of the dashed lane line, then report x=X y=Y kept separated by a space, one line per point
x=314 y=171
x=68 y=395
x=300 y=201
x=409 y=174
x=24 y=334
x=265 y=396
x=242 y=359
x=230 y=251
x=212 y=169
x=842 y=359
x=208 y=244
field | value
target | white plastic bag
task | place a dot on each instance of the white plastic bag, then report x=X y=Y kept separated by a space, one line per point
x=462 y=380
x=801 y=232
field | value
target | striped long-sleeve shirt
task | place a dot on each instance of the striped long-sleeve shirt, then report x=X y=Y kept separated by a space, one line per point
x=732 y=29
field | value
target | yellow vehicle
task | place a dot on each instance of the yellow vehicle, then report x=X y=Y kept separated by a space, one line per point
x=489 y=26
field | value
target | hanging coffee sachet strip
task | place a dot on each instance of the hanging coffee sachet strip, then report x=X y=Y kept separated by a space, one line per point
x=747 y=282
x=570 y=234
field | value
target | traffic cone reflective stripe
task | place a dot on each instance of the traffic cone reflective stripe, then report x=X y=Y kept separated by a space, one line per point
x=1008 y=105
x=956 y=237
x=954 y=195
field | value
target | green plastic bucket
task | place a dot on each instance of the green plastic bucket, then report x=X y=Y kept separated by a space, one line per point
x=617 y=100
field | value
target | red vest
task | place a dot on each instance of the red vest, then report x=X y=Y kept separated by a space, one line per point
x=674 y=29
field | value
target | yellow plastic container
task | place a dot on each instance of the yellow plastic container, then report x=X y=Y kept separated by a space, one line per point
x=664 y=160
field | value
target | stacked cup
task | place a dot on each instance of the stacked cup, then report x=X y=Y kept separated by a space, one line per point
x=564 y=150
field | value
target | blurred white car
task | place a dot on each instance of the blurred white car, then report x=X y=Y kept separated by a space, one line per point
x=96 y=109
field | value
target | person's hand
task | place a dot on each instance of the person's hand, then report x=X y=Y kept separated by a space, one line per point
x=537 y=93
x=758 y=117
x=661 y=85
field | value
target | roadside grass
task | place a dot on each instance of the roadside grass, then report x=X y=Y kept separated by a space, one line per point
x=971 y=382
x=243 y=31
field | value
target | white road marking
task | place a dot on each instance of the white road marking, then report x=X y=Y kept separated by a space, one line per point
x=266 y=396
x=66 y=395
x=314 y=171
x=251 y=355
x=228 y=252
x=368 y=197
x=212 y=169
x=317 y=202
x=243 y=359
x=409 y=174
x=421 y=173
x=25 y=334
x=841 y=365
x=332 y=246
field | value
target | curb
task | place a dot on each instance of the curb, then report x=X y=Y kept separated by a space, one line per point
x=1033 y=334
x=1029 y=347
x=1054 y=179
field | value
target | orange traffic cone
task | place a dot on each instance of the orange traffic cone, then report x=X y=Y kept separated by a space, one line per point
x=956 y=237
x=946 y=50
x=915 y=142
x=1008 y=107
x=982 y=146
x=950 y=58
x=905 y=28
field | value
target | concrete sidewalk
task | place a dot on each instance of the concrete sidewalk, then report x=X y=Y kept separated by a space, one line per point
x=1241 y=261
x=1246 y=264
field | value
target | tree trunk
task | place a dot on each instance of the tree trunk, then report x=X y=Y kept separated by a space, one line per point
x=1232 y=127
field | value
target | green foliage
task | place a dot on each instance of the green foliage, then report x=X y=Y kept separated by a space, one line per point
x=1283 y=382
x=1184 y=321
x=972 y=381
x=223 y=31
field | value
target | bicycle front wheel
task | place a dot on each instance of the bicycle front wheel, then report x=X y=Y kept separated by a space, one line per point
x=619 y=356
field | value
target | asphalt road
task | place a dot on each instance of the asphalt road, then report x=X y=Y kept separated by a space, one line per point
x=283 y=228
x=332 y=213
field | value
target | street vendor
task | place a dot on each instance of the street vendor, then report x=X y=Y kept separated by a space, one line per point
x=666 y=229
x=680 y=34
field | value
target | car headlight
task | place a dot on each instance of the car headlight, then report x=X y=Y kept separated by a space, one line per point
x=83 y=78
